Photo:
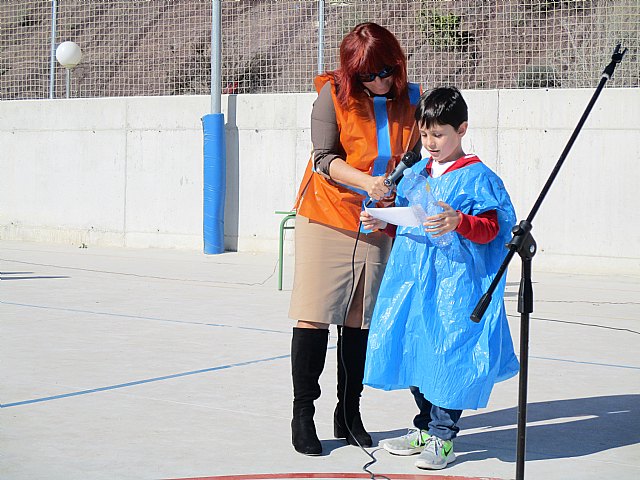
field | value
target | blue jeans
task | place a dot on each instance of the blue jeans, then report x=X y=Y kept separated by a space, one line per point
x=439 y=422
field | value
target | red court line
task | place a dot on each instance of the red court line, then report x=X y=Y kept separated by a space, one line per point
x=391 y=476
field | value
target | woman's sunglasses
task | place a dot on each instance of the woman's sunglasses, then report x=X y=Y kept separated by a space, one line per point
x=370 y=77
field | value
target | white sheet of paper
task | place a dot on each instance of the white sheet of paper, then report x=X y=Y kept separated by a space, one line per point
x=402 y=216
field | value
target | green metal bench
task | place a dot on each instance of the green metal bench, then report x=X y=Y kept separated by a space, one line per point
x=284 y=225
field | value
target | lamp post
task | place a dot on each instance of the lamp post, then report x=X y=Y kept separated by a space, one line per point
x=52 y=59
x=68 y=55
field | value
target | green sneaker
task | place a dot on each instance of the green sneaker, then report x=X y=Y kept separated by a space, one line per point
x=413 y=442
x=437 y=454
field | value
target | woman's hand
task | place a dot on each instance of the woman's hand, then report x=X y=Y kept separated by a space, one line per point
x=341 y=172
x=444 y=222
x=371 y=223
x=376 y=188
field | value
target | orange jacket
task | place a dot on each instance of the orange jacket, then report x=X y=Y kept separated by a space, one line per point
x=367 y=132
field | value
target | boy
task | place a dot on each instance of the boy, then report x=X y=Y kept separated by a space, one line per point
x=421 y=336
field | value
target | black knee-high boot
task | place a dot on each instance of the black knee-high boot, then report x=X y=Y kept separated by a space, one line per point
x=352 y=347
x=308 y=352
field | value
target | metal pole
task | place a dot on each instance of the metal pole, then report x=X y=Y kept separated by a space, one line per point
x=68 y=81
x=52 y=70
x=214 y=165
x=320 y=36
x=216 y=57
x=525 y=307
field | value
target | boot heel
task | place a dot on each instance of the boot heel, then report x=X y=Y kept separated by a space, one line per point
x=357 y=429
x=304 y=437
x=339 y=430
x=360 y=434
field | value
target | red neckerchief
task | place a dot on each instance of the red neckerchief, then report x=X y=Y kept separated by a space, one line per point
x=459 y=163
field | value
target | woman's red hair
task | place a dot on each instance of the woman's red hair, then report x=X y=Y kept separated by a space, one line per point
x=369 y=47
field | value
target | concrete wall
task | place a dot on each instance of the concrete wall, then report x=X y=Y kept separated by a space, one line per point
x=128 y=171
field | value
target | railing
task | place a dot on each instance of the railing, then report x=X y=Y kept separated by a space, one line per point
x=162 y=47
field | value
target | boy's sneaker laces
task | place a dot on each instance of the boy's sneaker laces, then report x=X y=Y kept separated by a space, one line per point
x=437 y=454
x=412 y=442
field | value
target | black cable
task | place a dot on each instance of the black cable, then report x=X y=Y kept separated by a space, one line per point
x=595 y=325
x=366 y=466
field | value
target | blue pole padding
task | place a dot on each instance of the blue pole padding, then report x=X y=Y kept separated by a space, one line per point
x=215 y=172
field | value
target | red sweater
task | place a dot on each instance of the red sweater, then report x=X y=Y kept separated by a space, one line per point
x=481 y=228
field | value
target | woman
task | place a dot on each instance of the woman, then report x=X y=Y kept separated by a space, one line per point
x=361 y=124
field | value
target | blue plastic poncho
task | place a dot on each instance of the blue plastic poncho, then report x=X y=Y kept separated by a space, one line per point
x=421 y=334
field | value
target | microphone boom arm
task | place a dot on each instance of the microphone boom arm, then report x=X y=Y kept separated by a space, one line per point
x=526 y=225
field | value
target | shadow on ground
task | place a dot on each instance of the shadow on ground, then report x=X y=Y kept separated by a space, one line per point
x=572 y=428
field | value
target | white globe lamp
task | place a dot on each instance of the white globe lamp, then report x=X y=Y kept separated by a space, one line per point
x=68 y=55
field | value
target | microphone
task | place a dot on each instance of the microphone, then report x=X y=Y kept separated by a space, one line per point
x=409 y=159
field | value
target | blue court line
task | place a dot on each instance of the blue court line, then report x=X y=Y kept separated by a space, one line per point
x=140 y=317
x=140 y=382
x=239 y=364
x=223 y=367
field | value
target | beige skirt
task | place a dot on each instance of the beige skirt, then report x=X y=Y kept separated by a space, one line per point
x=323 y=276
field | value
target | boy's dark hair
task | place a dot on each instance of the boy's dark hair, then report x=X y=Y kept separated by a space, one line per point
x=442 y=105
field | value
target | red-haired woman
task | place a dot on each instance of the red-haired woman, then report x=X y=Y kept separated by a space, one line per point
x=361 y=124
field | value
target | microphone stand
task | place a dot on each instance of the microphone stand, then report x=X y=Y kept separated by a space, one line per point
x=524 y=245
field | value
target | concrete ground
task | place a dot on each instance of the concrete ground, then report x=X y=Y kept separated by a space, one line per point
x=149 y=364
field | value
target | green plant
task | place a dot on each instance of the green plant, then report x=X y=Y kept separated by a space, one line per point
x=444 y=30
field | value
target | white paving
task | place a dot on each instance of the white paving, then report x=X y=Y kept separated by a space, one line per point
x=150 y=364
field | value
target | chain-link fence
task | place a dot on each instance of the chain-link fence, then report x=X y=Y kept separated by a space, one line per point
x=162 y=47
